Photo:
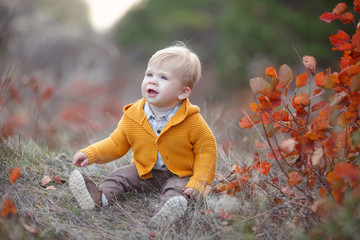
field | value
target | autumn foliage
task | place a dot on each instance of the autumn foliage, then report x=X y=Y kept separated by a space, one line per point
x=310 y=122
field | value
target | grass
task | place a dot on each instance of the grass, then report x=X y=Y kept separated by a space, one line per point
x=257 y=212
x=56 y=215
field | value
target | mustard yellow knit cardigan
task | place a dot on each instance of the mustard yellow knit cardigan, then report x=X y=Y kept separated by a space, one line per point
x=186 y=144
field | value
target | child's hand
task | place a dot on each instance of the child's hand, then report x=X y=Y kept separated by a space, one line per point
x=191 y=192
x=80 y=159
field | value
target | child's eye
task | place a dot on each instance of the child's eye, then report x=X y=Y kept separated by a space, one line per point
x=149 y=75
x=163 y=77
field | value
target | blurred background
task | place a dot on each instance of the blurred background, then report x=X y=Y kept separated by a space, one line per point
x=69 y=67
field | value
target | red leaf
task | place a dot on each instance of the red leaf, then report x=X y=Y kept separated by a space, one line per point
x=281 y=116
x=262 y=167
x=275 y=180
x=345 y=170
x=329 y=17
x=249 y=121
x=318 y=106
x=15 y=174
x=344 y=47
x=347 y=17
x=294 y=179
x=58 y=179
x=304 y=144
x=339 y=38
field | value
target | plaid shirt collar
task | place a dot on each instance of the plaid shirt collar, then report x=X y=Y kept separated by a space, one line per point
x=166 y=116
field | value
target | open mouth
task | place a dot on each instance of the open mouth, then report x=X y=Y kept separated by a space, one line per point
x=152 y=92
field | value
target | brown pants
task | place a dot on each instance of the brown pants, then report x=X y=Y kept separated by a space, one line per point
x=126 y=179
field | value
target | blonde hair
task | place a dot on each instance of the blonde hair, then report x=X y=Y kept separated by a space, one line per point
x=182 y=59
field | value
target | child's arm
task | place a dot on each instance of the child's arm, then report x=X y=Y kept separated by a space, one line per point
x=109 y=149
x=205 y=152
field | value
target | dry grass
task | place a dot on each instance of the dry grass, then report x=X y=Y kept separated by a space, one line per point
x=56 y=215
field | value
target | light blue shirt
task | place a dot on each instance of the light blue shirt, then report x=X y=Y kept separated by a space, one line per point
x=157 y=124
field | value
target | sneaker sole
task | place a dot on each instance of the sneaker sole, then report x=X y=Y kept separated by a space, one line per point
x=173 y=209
x=80 y=192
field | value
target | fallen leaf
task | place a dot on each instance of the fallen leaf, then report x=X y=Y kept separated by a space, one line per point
x=45 y=181
x=15 y=174
x=52 y=188
x=58 y=179
x=8 y=208
x=31 y=229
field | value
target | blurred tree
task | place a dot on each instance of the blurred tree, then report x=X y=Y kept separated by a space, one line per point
x=231 y=36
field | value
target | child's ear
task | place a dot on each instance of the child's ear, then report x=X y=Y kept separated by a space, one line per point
x=185 y=92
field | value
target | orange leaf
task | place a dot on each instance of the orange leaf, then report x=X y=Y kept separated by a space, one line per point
x=302 y=100
x=262 y=167
x=15 y=174
x=318 y=106
x=323 y=79
x=281 y=116
x=231 y=185
x=337 y=194
x=255 y=107
x=265 y=103
x=245 y=178
x=310 y=63
x=340 y=38
x=294 y=179
x=249 y=121
x=302 y=80
x=339 y=8
x=347 y=17
x=344 y=47
x=329 y=17
x=8 y=208
x=285 y=76
x=270 y=71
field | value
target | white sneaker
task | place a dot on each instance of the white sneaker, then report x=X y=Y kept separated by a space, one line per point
x=173 y=209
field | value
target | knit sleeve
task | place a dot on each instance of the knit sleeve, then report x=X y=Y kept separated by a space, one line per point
x=205 y=157
x=109 y=149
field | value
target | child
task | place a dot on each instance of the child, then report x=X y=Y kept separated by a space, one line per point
x=173 y=147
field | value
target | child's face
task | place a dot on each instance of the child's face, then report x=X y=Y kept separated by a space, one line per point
x=163 y=88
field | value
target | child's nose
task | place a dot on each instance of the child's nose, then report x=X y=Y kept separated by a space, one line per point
x=153 y=81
